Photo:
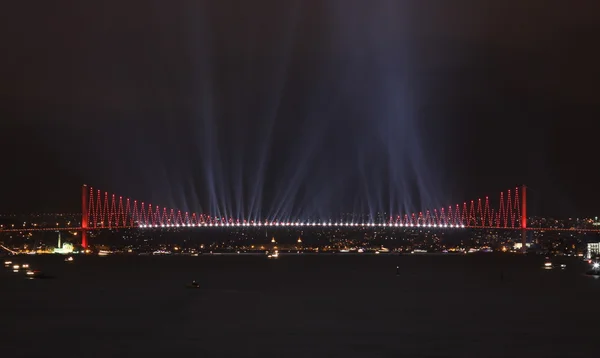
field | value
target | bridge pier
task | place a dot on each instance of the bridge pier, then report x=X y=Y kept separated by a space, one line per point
x=84 y=216
x=524 y=218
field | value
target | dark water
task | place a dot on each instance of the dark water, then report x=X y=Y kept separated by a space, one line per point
x=300 y=306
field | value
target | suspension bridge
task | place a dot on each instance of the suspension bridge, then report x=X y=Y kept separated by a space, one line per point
x=101 y=210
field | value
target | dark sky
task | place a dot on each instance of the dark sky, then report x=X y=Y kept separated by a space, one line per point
x=300 y=107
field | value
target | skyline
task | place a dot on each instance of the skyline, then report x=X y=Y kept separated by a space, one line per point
x=304 y=105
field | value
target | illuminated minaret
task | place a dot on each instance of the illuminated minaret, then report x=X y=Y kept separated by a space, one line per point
x=59 y=240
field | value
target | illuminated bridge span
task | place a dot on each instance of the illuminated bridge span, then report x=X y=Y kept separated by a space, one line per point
x=101 y=210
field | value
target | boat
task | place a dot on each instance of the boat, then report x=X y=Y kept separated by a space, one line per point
x=344 y=251
x=548 y=264
x=595 y=271
x=69 y=259
x=274 y=255
x=194 y=284
x=38 y=275
x=419 y=251
x=157 y=252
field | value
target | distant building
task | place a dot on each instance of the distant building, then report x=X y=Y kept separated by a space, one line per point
x=593 y=249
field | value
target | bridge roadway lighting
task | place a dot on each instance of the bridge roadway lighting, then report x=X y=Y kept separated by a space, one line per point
x=300 y=224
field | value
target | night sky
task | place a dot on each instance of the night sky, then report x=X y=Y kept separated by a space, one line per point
x=300 y=107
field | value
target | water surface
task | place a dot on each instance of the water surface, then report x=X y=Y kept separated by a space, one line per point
x=300 y=306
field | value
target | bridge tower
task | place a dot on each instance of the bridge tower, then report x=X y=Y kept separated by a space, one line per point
x=524 y=218
x=84 y=216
